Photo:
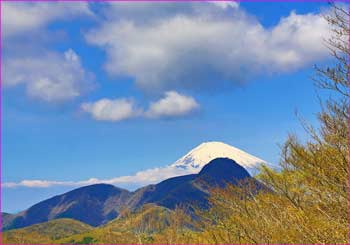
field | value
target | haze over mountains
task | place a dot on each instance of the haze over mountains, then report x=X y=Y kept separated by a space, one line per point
x=99 y=203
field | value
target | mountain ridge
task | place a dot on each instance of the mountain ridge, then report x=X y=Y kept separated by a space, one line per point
x=97 y=204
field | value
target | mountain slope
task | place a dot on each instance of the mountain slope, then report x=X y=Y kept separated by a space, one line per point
x=191 y=189
x=126 y=229
x=7 y=219
x=97 y=204
x=94 y=205
x=221 y=171
x=45 y=232
x=169 y=193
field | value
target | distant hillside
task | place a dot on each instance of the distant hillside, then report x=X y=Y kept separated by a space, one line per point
x=100 y=203
x=94 y=205
x=130 y=228
x=45 y=232
x=7 y=219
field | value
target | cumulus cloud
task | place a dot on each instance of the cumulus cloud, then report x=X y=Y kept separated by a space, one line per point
x=150 y=12
x=46 y=75
x=22 y=17
x=197 y=48
x=172 y=105
x=225 y=4
x=52 y=77
x=111 y=110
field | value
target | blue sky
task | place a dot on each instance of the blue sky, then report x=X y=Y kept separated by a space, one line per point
x=100 y=91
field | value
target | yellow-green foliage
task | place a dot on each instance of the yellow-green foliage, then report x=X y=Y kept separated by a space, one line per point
x=129 y=227
x=45 y=232
x=308 y=198
x=306 y=201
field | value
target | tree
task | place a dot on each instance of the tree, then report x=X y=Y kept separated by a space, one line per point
x=308 y=201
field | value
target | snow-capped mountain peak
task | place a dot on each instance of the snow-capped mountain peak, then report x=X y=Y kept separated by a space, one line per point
x=205 y=152
x=191 y=163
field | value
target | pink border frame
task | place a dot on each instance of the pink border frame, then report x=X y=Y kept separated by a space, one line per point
x=345 y=1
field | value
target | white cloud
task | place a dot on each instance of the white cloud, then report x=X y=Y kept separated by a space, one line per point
x=225 y=4
x=298 y=40
x=52 y=77
x=36 y=183
x=149 y=176
x=191 y=163
x=46 y=75
x=111 y=110
x=206 y=48
x=21 y=17
x=172 y=105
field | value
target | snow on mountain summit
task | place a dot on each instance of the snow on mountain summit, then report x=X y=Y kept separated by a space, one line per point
x=191 y=163
x=205 y=152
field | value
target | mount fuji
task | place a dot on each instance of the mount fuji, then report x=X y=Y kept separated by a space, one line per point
x=191 y=163
x=183 y=182
x=100 y=203
x=198 y=157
